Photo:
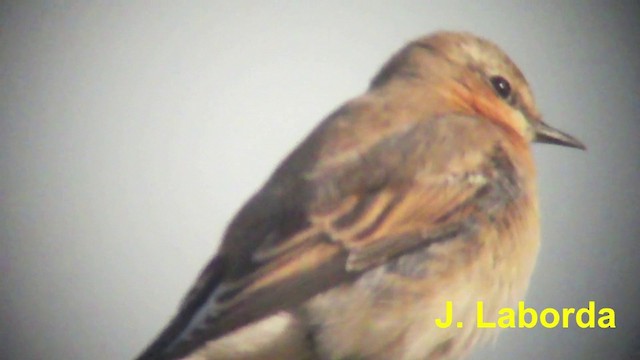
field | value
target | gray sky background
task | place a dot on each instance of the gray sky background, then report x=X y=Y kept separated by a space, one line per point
x=130 y=134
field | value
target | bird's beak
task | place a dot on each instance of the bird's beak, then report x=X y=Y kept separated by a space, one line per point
x=548 y=135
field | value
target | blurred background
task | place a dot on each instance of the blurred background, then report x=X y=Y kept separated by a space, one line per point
x=131 y=132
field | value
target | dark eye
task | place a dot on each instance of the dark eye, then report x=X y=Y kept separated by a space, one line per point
x=502 y=86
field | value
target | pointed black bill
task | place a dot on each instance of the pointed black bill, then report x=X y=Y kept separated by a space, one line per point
x=548 y=135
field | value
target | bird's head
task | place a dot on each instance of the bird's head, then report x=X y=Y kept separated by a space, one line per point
x=476 y=78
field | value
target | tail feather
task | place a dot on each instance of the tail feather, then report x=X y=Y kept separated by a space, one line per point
x=175 y=338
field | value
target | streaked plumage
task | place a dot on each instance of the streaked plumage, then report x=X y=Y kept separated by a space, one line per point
x=419 y=191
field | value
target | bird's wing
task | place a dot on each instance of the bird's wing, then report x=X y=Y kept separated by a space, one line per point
x=323 y=220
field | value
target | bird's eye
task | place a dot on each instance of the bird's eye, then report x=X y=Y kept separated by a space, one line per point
x=502 y=86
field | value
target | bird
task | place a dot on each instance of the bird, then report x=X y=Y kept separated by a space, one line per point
x=419 y=191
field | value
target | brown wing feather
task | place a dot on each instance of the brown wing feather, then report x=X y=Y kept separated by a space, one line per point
x=369 y=219
x=365 y=220
x=319 y=222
